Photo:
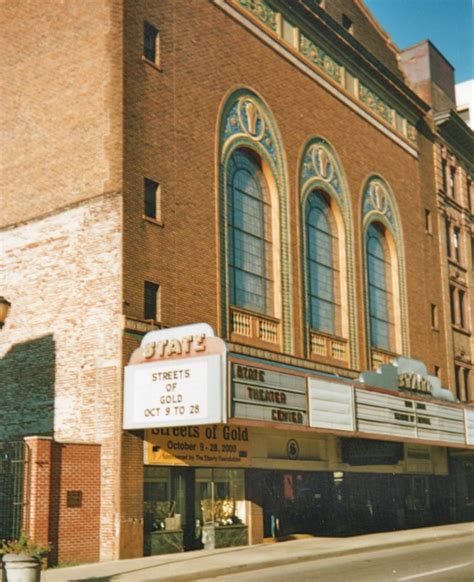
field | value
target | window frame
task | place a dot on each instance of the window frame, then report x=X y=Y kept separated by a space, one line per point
x=155 y=305
x=263 y=238
x=151 y=44
x=152 y=197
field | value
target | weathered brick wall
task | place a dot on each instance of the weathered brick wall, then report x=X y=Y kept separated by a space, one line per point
x=60 y=348
x=61 y=103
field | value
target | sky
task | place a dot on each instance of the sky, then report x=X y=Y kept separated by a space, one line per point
x=448 y=24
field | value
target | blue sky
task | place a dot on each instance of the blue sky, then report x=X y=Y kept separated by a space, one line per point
x=448 y=24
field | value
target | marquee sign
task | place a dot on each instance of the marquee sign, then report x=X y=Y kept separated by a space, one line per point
x=261 y=394
x=175 y=378
x=406 y=375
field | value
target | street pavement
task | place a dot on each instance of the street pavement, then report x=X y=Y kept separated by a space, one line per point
x=230 y=562
x=448 y=560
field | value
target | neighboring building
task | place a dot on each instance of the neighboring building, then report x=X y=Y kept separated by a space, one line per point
x=432 y=77
x=263 y=168
x=465 y=101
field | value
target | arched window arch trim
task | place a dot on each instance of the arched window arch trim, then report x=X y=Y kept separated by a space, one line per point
x=245 y=122
x=379 y=206
x=321 y=171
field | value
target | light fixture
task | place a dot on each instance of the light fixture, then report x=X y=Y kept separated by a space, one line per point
x=4 y=309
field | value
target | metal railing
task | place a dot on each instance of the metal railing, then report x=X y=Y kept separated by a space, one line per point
x=13 y=460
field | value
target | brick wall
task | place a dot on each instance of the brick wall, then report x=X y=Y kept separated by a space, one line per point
x=63 y=503
x=60 y=347
x=171 y=120
x=61 y=103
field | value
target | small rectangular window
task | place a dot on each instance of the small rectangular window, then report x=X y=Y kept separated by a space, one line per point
x=467 y=379
x=437 y=371
x=462 y=315
x=452 y=182
x=152 y=198
x=347 y=23
x=458 y=381
x=447 y=225
x=452 y=293
x=428 y=223
x=151 y=43
x=444 y=175
x=152 y=301
x=434 y=316
x=457 y=243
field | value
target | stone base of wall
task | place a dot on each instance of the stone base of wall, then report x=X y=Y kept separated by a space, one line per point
x=62 y=491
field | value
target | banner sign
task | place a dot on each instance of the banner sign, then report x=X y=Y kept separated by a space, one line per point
x=215 y=445
x=261 y=394
x=176 y=378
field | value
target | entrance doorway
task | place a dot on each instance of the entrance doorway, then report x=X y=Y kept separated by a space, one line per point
x=181 y=502
x=295 y=502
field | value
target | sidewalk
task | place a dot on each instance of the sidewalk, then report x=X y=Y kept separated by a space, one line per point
x=204 y=564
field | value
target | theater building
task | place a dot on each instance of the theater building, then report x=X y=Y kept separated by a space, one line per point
x=229 y=311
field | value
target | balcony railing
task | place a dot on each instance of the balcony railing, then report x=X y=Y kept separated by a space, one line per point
x=254 y=326
x=328 y=346
x=380 y=357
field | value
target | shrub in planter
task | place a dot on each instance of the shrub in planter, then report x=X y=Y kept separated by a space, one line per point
x=22 y=559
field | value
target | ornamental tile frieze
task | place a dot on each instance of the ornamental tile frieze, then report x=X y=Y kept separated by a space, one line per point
x=261 y=10
x=321 y=59
x=375 y=103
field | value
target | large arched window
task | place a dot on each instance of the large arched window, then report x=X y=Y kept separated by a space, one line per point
x=380 y=294
x=249 y=234
x=322 y=265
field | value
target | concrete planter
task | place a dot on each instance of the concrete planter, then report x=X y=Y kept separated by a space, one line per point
x=21 y=568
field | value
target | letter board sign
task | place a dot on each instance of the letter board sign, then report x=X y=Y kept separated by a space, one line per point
x=261 y=394
x=176 y=378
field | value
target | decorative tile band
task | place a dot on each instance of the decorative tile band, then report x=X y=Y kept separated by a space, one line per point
x=376 y=104
x=261 y=10
x=319 y=58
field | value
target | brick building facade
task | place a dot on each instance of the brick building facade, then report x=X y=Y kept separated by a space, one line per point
x=118 y=164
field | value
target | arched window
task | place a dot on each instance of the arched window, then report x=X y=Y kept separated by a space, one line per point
x=249 y=234
x=380 y=295
x=324 y=307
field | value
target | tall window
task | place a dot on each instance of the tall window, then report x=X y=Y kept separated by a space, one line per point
x=379 y=271
x=250 y=256
x=322 y=265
